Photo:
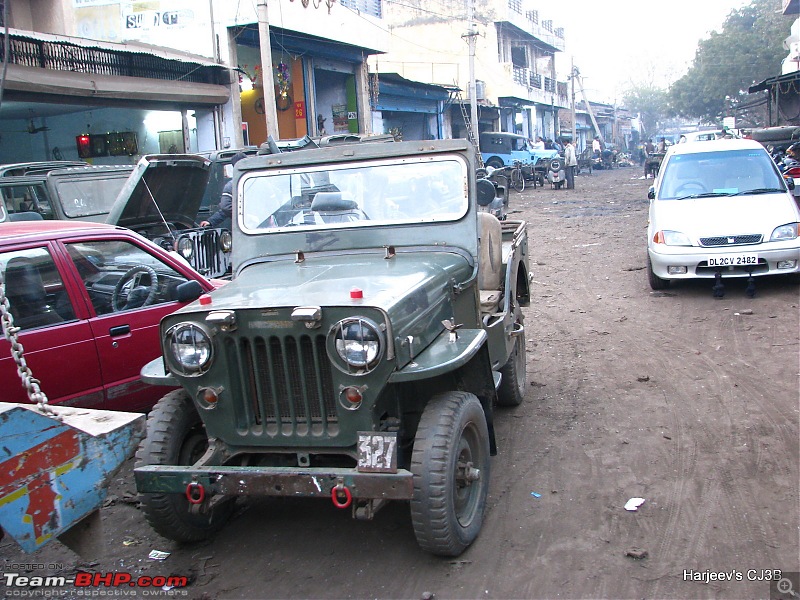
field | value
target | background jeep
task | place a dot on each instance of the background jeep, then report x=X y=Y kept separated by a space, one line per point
x=372 y=324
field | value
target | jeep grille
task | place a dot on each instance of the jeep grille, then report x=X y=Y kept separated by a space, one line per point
x=208 y=258
x=287 y=386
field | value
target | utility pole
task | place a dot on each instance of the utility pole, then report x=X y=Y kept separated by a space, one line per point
x=270 y=111
x=572 y=103
x=473 y=91
x=577 y=75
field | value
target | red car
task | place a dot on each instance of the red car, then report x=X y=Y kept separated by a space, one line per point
x=88 y=298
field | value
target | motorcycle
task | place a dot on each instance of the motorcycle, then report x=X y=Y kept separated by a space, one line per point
x=556 y=172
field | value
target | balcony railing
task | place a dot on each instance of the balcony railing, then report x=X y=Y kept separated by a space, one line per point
x=535 y=80
x=60 y=55
x=549 y=85
x=520 y=75
x=530 y=22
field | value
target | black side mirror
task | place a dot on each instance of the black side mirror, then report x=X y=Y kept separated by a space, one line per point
x=651 y=193
x=790 y=183
x=188 y=291
x=486 y=192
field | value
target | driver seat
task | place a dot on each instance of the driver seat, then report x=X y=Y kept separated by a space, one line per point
x=490 y=262
x=27 y=296
x=332 y=207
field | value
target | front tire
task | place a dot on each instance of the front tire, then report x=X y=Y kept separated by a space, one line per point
x=176 y=436
x=450 y=464
x=512 y=385
x=656 y=282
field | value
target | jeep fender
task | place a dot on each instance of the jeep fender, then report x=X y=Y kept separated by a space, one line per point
x=466 y=358
x=155 y=374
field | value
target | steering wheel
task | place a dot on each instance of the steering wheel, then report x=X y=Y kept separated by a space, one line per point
x=690 y=187
x=152 y=288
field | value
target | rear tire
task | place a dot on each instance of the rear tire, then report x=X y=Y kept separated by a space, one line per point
x=495 y=163
x=176 y=436
x=656 y=282
x=515 y=372
x=450 y=464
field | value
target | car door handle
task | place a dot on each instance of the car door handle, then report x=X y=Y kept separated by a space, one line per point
x=119 y=330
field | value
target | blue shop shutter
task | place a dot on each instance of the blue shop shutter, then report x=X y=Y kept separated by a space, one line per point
x=370 y=7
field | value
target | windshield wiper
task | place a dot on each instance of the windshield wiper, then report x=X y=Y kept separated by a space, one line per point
x=758 y=191
x=704 y=195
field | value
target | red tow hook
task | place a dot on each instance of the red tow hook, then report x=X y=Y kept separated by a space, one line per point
x=195 y=493
x=339 y=491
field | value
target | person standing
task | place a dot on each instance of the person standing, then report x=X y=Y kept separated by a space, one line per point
x=225 y=208
x=649 y=149
x=570 y=162
x=597 y=147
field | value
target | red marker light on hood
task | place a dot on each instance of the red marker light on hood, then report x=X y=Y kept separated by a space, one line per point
x=356 y=294
x=205 y=299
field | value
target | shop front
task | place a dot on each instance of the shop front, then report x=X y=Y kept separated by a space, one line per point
x=409 y=110
x=320 y=85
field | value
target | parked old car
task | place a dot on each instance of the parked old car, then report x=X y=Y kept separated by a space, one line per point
x=79 y=193
x=161 y=199
x=88 y=298
x=501 y=149
x=720 y=209
x=372 y=324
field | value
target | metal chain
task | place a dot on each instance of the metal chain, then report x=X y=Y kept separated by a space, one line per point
x=11 y=333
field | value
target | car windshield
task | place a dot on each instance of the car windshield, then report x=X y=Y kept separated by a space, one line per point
x=89 y=197
x=721 y=173
x=379 y=192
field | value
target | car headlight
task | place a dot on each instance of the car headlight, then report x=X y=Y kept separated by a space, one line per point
x=672 y=238
x=358 y=342
x=185 y=247
x=784 y=232
x=226 y=241
x=189 y=349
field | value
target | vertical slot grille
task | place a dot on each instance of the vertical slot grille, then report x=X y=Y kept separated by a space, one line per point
x=287 y=385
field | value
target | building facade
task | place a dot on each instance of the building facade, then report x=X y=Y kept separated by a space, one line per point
x=516 y=87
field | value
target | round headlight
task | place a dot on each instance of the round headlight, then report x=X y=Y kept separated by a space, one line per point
x=189 y=349
x=185 y=247
x=226 y=241
x=358 y=342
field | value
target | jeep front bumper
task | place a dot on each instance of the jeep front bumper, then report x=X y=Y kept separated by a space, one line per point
x=201 y=482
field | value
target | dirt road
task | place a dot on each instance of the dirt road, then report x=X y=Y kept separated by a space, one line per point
x=686 y=401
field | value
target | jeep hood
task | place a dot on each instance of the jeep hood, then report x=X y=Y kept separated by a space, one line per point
x=162 y=187
x=404 y=286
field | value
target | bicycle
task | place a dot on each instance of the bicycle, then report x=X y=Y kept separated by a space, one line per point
x=517 y=177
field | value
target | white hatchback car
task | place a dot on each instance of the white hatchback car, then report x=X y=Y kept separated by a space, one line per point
x=720 y=209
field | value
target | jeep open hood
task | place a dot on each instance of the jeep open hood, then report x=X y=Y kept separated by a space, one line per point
x=176 y=182
x=404 y=286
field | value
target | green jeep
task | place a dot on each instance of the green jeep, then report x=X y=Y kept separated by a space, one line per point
x=372 y=324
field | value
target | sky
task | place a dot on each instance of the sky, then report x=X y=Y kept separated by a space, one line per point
x=616 y=42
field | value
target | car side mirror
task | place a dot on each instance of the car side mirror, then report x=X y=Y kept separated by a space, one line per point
x=790 y=183
x=188 y=291
x=651 y=193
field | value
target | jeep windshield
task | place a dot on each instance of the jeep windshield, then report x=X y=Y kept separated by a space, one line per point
x=380 y=192
x=90 y=196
